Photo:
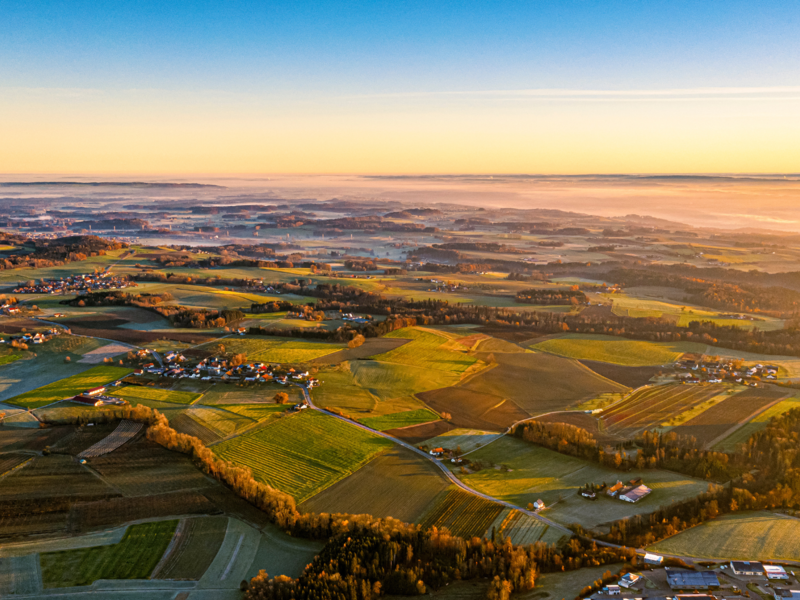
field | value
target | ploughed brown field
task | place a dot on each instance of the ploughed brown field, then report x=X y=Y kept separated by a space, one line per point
x=632 y=377
x=722 y=418
x=649 y=407
x=474 y=410
x=417 y=434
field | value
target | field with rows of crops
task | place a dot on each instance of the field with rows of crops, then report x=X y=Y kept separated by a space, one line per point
x=304 y=453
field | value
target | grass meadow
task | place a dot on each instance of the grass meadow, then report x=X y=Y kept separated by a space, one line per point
x=742 y=536
x=620 y=351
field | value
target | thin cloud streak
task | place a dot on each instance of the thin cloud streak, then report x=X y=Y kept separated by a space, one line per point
x=677 y=93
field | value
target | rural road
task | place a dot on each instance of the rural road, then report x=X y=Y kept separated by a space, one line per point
x=442 y=467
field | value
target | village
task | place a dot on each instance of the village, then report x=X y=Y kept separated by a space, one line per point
x=728 y=580
x=76 y=284
x=714 y=370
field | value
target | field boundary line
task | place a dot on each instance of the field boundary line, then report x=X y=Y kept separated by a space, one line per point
x=19 y=466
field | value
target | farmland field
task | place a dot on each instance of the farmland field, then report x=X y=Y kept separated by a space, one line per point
x=653 y=406
x=427 y=349
x=396 y=484
x=466 y=439
x=304 y=453
x=133 y=558
x=616 y=350
x=46 y=475
x=19 y=575
x=220 y=421
x=538 y=382
x=400 y=419
x=133 y=393
x=472 y=409
x=742 y=434
x=96 y=376
x=198 y=540
x=420 y=433
x=125 y=432
x=537 y=473
x=222 y=394
x=183 y=423
x=742 y=536
x=709 y=426
x=523 y=529
x=462 y=513
x=279 y=350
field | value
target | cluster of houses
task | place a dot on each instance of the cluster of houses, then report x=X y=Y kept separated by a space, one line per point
x=719 y=371
x=633 y=491
x=76 y=284
x=688 y=584
x=9 y=307
x=219 y=370
x=97 y=397
x=33 y=338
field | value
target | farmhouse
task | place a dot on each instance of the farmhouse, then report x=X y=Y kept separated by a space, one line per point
x=437 y=452
x=614 y=489
x=635 y=494
x=680 y=579
x=95 y=391
x=745 y=567
x=538 y=505
x=629 y=580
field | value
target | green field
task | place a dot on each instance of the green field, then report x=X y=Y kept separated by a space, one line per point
x=427 y=350
x=742 y=536
x=537 y=473
x=223 y=422
x=466 y=439
x=304 y=453
x=374 y=388
x=94 y=377
x=278 y=350
x=133 y=393
x=400 y=419
x=9 y=358
x=620 y=351
x=134 y=557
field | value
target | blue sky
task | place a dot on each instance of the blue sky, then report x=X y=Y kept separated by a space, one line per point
x=390 y=56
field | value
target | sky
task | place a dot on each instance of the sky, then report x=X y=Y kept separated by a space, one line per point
x=399 y=87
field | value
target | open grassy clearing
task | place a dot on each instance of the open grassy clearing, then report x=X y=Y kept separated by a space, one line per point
x=621 y=351
x=429 y=350
x=133 y=393
x=400 y=419
x=742 y=536
x=466 y=439
x=537 y=473
x=304 y=453
x=197 y=541
x=133 y=558
x=93 y=377
x=742 y=434
x=278 y=350
x=462 y=513
x=397 y=484
x=6 y=359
